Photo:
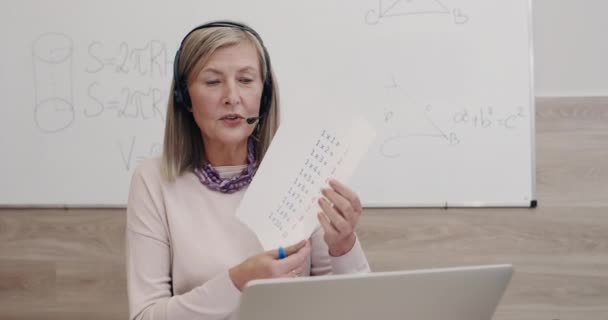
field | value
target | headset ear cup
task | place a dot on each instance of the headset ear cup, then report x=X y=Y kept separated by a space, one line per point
x=186 y=96
x=181 y=98
x=178 y=101
x=266 y=96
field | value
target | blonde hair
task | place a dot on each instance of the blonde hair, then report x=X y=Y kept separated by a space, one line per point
x=183 y=147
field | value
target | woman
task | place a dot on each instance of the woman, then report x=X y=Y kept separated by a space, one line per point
x=188 y=256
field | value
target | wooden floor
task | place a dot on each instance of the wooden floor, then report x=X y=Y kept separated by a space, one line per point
x=69 y=264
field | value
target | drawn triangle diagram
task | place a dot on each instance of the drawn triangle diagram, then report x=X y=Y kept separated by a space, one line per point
x=392 y=8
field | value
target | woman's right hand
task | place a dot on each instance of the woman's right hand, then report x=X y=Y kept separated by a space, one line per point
x=268 y=265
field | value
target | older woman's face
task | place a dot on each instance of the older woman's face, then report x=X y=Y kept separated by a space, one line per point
x=225 y=92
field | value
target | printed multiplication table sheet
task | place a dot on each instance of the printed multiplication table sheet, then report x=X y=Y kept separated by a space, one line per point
x=280 y=205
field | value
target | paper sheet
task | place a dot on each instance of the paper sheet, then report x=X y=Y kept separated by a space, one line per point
x=280 y=205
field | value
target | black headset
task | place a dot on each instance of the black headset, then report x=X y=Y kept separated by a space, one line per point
x=181 y=97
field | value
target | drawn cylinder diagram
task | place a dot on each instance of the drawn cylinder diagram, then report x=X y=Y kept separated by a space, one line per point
x=52 y=55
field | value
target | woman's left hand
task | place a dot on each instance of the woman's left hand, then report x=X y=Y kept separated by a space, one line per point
x=341 y=211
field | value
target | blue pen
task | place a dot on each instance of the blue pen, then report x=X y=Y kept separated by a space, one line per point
x=282 y=253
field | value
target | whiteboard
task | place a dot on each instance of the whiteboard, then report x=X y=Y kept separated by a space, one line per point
x=447 y=84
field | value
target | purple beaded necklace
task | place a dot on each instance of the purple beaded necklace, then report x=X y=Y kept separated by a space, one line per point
x=211 y=178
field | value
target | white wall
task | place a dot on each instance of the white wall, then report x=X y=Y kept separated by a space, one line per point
x=571 y=47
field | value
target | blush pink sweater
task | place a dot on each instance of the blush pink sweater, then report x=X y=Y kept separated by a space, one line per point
x=183 y=237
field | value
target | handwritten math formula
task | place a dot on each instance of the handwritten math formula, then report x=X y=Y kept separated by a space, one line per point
x=138 y=89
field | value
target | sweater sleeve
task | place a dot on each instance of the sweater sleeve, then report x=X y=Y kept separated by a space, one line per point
x=322 y=263
x=149 y=280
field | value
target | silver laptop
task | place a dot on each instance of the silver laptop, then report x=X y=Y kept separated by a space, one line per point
x=462 y=293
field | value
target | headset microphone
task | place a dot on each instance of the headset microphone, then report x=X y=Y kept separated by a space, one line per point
x=253 y=120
